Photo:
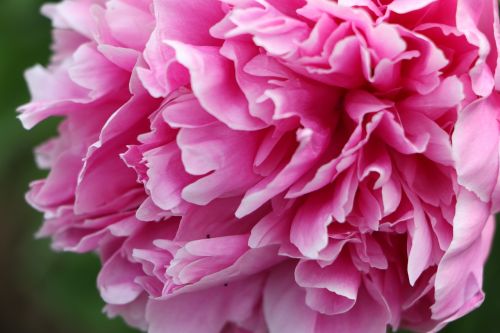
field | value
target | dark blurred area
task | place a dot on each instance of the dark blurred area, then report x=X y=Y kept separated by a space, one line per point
x=46 y=292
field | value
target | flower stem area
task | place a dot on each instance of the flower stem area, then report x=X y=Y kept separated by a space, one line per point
x=46 y=292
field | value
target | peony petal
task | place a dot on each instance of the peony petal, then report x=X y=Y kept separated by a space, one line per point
x=188 y=313
x=477 y=134
x=214 y=86
x=116 y=281
x=284 y=306
x=460 y=268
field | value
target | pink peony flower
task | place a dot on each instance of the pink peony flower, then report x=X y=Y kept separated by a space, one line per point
x=299 y=166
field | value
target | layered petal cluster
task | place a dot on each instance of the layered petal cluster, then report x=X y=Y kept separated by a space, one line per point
x=299 y=166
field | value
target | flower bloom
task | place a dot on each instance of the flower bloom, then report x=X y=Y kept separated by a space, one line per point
x=299 y=166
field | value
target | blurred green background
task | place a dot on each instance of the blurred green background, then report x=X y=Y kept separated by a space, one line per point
x=46 y=292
